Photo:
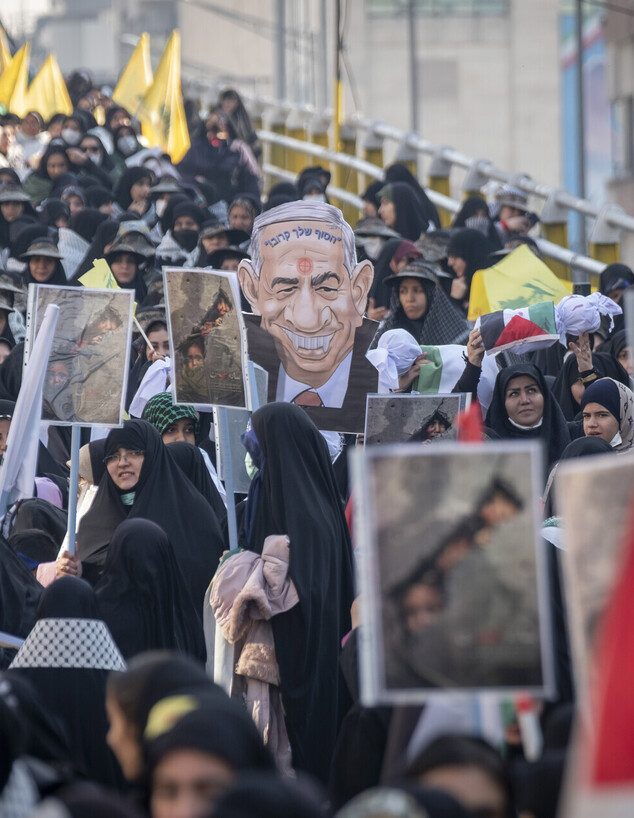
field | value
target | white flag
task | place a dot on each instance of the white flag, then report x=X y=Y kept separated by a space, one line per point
x=17 y=473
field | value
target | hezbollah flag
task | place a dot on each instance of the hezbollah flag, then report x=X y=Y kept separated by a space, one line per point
x=136 y=77
x=522 y=330
x=47 y=93
x=519 y=280
x=5 y=53
x=14 y=82
x=162 y=112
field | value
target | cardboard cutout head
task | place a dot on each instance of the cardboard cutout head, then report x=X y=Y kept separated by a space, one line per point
x=305 y=283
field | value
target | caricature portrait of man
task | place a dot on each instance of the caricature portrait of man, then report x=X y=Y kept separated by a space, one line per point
x=308 y=295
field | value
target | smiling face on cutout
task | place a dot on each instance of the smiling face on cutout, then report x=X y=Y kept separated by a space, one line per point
x=308 y=301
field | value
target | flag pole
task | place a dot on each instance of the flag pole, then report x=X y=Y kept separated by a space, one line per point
x=74 y=484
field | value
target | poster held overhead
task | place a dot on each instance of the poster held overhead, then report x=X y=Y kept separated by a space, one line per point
x=207 y=338
x=452 y=579
x=87 y=371
x=308 y=296
x=413 y=418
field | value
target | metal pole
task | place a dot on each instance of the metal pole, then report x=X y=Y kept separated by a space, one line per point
x=336 y=101
x=323 y=48
x=581 y=142
x=72 y=489
x=279 y=47
x=413 y=68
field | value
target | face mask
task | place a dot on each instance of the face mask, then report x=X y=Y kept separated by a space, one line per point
x=96 y=158
x=373 y=247
x=71 y=137
x=187 y=239
x=250 y=466
x=314 y=197
x=479 y=223
x=160 y=206
x=127 y=145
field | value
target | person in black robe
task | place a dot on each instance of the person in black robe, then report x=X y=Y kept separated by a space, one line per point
x=401 y=210
x=131 y=695
x=399 y=172
x=604 y=365
x=439 y=323
x=382 y=269
x=190 y=460
x=105 y=234
x=142 y=594
x=20 y=594
x=160 y=495
x=295 y=493
x=552 y=427
x=67 y=657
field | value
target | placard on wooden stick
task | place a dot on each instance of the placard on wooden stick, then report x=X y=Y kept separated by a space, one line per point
x=87 y=374
x=207 y=338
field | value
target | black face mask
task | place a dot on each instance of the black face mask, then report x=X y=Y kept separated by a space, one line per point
x=187 y=239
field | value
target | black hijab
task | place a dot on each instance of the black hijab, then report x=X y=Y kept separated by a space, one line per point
x=553 y=430
x=68 y=663
x=296 y=494
x=162 y=496
x=211 y=724
x=104 y=234
x=58 y=278
x=130 y=177
x=53 y=209
x=400 y=173
x=410 y=219
x=142 y=594
x=467 y=217
x=472 y=247
x=605 y=366
x=441 y=323
x=11 y=373
x=86 y=222
x=190 y=460
x=380 y=292
x=19 y=591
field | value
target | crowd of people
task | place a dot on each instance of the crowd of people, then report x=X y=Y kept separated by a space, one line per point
x=109 y=706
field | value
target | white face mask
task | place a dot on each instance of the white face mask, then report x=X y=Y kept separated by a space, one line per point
x=373 y=247
x=160 y=206
x=314 y=197
x=96 y=158
x=250 y=466
x=71 y=137
x=127 y=145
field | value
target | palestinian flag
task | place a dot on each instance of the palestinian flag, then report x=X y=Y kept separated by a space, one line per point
x=446 y=365
x=522 y=330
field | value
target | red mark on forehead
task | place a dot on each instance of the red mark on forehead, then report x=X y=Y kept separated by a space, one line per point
x=305 y=266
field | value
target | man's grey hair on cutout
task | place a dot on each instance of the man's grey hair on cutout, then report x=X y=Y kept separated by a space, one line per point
x=301 y=211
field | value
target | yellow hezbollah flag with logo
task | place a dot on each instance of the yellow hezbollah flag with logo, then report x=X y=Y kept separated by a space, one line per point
x=14 y=81
x=47 y=93
x=136 y=77
x=5 y=53
x=162 y=112
x=519 y=280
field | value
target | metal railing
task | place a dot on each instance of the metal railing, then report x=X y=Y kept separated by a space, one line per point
x=582 y=267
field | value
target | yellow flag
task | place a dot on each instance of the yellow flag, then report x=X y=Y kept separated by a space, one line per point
x=48 y=93
x=519 y=280
x=99 y=277
x=5 y=53
x=14 y=81
x=162 y=112
x=136 y=77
